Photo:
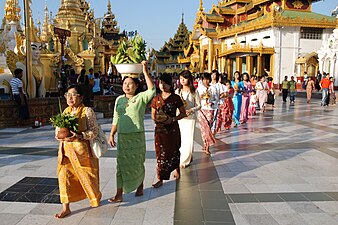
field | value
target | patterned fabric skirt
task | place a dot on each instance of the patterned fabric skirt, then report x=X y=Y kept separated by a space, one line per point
x=205 y=119
x=79 y=182
x=131 y=150
x=167 y=146
x=245 y=108
x=225 y=115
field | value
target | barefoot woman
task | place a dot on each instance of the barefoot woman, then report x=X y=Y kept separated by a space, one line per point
x=78 y=170
x=128 y=123
x=167 y=131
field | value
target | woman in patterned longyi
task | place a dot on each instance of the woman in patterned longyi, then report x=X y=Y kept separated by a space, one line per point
x=167 y=132
x=78 y=169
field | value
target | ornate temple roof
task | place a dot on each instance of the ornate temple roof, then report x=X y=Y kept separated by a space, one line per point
x=12 y=13
x=232 y=17
x=110 y=31
x=70 y=10
x=176 y=45
x=335 y=12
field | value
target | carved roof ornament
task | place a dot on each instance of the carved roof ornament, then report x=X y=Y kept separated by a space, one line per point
x=297 y=4
x=201 y=6
x=335 y=12
x=12 y=10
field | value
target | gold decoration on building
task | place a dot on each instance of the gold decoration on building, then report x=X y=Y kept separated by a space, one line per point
x=12 y=10
x=297 y=4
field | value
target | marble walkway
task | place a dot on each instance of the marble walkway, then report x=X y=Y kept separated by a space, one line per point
x=279 y=168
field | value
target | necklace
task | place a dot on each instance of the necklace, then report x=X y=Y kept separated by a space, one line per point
x=185 y=103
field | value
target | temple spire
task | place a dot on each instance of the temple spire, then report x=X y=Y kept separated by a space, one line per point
x=44 y=30
x=201 y=6
x=109 y=6
x=182 y=17
x=12 y=11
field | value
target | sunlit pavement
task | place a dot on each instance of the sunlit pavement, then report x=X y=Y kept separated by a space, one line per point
x=279 y=168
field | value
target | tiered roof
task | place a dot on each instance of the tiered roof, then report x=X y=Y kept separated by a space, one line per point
x=231 y=17
x=176 y=45
x=110 y=31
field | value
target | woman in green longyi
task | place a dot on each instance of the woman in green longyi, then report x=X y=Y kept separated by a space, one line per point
x=128 y=123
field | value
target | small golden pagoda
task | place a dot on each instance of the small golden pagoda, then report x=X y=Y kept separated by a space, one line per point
x=166 y=59
x=91 y=44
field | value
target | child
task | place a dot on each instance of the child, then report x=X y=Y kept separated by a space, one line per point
x=227 y=108
x=206 y=114
x=253 y=103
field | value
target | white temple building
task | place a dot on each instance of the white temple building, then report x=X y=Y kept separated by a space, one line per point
x=328 y=53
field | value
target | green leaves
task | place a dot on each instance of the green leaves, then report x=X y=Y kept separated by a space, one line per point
x=65 y=121
x=133 y=51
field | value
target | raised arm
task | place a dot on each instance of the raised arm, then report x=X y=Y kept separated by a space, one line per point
x=149 y=81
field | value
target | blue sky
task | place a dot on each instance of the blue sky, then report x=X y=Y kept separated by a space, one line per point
x=155 y=20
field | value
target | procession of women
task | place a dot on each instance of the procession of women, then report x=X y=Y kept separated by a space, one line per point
x=217 y=103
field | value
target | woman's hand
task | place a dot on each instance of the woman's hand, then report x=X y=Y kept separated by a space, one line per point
x=189 y=112
x=145 y=66
x=112 y=140
x=74 y=137
x=168 y=121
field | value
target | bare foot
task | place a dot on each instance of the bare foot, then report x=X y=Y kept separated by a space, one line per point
x=115 y=199
x=177 y=174
x=139 y=191
x=206 y=151
x=158 y=184
x=63 y=214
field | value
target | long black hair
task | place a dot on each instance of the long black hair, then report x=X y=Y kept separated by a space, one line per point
x=239 y=78
x=187 y=75
x=247 y=76
x=166 y=78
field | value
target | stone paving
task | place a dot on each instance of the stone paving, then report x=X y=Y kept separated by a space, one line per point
x=279 y=168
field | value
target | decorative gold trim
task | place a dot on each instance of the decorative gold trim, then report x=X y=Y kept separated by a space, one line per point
x=275 y=19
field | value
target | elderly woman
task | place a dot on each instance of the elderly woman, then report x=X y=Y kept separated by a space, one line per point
x=78 y=170
x=128 y=123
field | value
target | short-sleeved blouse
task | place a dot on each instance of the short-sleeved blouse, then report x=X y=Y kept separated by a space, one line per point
x=129 y=113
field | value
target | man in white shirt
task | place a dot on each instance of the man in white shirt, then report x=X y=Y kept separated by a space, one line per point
x=17 y=92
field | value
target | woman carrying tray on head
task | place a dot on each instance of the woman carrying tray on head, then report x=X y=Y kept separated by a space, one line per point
x=128 y=123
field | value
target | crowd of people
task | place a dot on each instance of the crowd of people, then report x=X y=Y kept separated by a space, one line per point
x=177 y=103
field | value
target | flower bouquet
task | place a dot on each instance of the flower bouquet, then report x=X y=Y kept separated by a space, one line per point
x=64 y=122
x=129 y=56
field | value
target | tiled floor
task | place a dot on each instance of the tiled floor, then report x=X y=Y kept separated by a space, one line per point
x=279 y=168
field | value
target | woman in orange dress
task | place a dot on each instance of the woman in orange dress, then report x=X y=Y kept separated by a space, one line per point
x=78 y=170
x=310 y=85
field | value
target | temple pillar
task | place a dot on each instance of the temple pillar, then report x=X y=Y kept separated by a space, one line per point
x=320 y=63
x=202 y=61
x=249 y=64
x=332 y=66
x=211 y=57
x=272 y=67
x=222 y=65
x=239 y=64
x=259 y=65
x=228 y=65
